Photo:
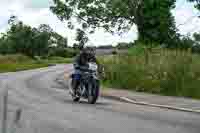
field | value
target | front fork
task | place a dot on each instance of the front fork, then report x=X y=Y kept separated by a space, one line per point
x=95 y=85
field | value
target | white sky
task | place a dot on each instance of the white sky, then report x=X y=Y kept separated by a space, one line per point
x=36 y=12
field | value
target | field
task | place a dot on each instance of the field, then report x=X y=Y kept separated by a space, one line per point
x=17 y=62
x=158 y=71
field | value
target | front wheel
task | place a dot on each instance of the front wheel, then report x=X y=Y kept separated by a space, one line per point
x=73 y=95
x=93 y=92
x=75 y=99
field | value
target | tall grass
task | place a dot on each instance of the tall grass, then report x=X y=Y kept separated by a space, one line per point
x=160 y=71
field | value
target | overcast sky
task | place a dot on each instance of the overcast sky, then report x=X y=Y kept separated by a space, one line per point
x=36 y=12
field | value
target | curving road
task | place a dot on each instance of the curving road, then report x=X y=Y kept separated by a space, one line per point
x=47 y=108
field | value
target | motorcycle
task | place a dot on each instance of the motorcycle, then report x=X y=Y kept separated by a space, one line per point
x=89 y=84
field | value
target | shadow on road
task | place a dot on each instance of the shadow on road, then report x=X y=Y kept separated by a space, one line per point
x=84 y=102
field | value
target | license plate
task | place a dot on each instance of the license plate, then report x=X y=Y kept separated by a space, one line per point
x=93 y=66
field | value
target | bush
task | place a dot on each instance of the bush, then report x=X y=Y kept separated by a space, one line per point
x=196 y=49
x=14 y=58
x=66 y=53
x=58 y=60
x=136 y=50
x=114 y=52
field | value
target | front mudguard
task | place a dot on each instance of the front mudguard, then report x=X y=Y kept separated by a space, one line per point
x=93 y=91
x=96 y=84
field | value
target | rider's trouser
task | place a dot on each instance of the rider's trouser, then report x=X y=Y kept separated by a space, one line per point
x=76 y=82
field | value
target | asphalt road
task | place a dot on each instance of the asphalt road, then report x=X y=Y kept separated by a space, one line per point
x=48 y=108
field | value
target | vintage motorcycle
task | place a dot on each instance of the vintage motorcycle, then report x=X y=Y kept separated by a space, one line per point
x=89 y=84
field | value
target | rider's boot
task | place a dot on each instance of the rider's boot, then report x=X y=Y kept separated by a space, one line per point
x=74 y=88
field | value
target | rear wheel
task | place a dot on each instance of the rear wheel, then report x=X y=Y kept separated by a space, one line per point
x=93 y=92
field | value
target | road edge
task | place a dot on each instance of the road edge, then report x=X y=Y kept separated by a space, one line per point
x=132 y=101
x=128 y=100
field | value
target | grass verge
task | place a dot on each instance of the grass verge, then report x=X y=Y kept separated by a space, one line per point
x=164 y=72
x=13 y=63
x=13 y=67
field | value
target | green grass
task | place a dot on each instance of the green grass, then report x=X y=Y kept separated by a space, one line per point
x=164 y=72
x=13 y=63
x=13 y=67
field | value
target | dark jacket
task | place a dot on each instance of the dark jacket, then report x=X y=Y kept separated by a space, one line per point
x=82 y=59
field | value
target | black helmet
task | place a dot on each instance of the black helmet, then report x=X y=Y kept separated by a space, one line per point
x=89 y=50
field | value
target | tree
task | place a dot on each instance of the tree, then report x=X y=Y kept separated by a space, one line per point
x=81 y=37
x=124 y=45
x=18 y=37
x=45 y=28
x=59 y=40
x=21 y=38
x=197 y=3
x=13 y=20
x=186 y=42
x=75 y=46
x=42 y=39
x=3 y=44
x=196 y=47
x=105 y=47
x=153 y=17
x=196 y=37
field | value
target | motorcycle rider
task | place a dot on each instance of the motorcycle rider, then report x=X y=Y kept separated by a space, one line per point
x=81 y=64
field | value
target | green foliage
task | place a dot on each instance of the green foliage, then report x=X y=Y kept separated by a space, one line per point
x=167 y=72
x=197 y=3
x=67 y=53
x=153 y=17
x=137 y=50
x=58 y=60
x=59 y=40
x=155 y=22
x=196 y=46
x=21 y=38
x=185 y=43
x=196 y=49
x=81 y=37
x=196 y=37
x=114 y=52
x=106 y=47
x=180 y=42
x=124 y=45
